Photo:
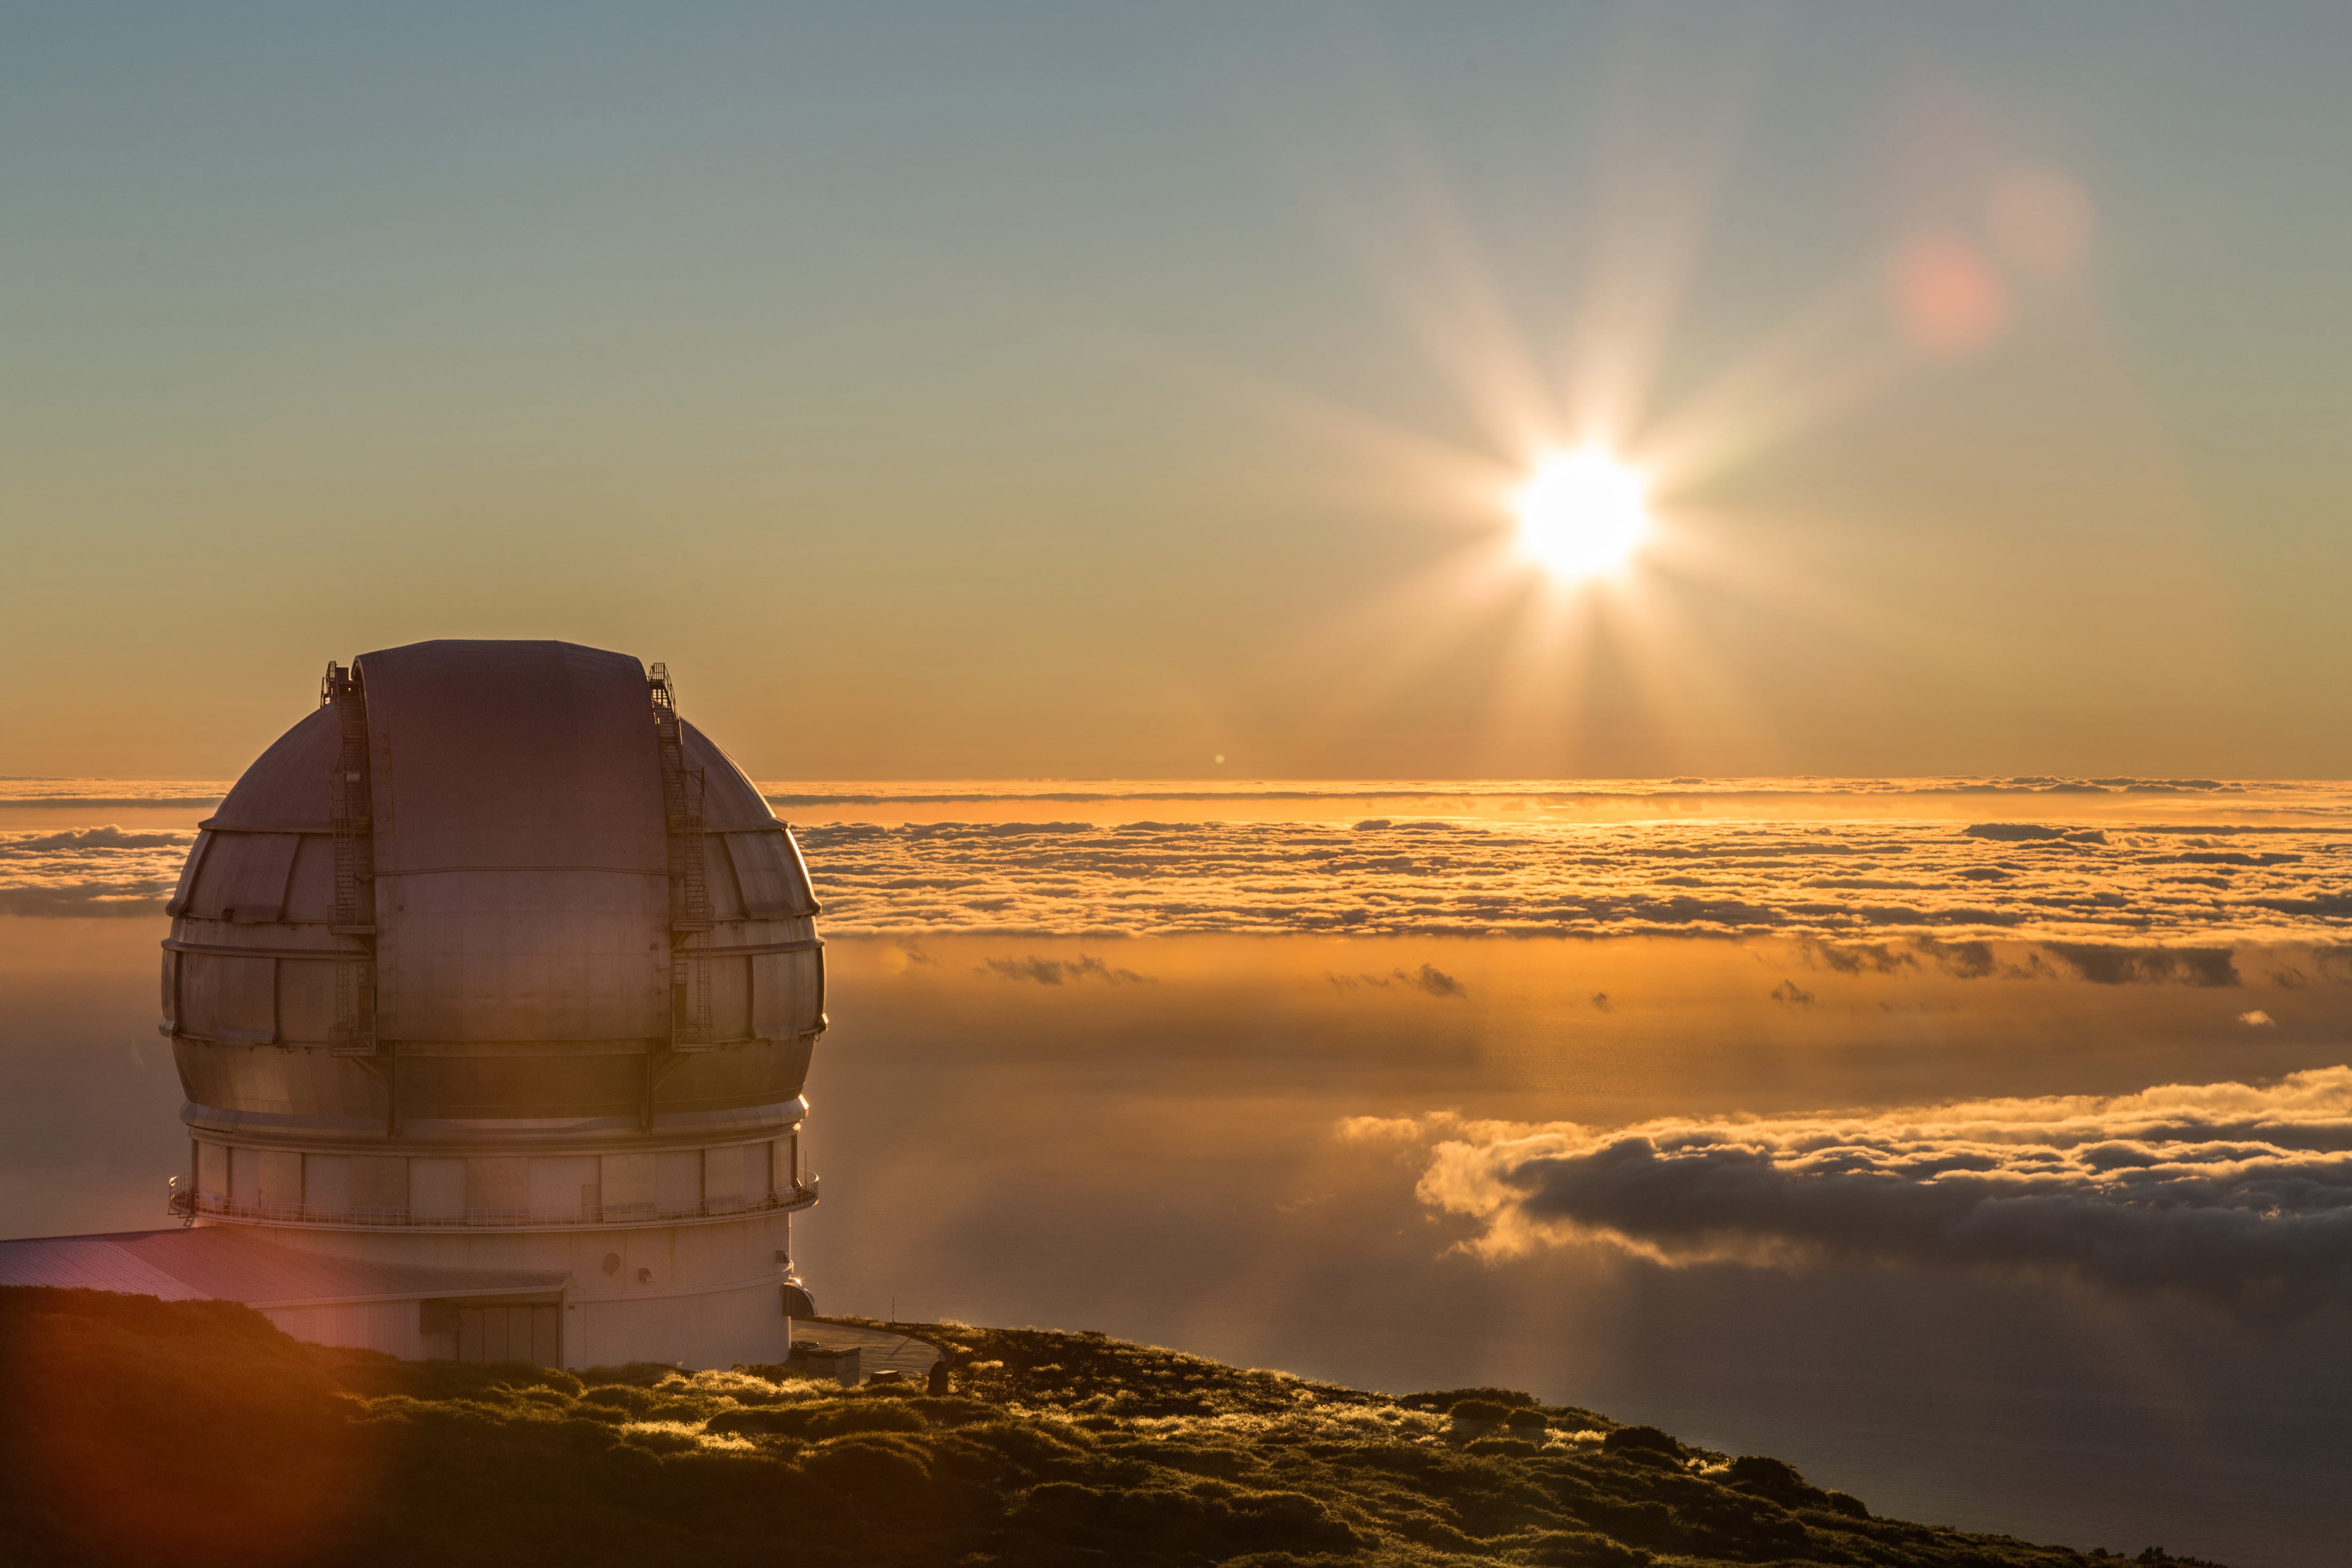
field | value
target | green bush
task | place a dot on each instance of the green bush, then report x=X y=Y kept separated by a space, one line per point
x=817 y=1420
x=1447 y=1398
x=1640 y=1439
x=1487 y=1410
x=1580 y=1549
x=1767 y=1475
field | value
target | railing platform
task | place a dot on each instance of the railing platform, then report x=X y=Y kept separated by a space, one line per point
x=188 y=1205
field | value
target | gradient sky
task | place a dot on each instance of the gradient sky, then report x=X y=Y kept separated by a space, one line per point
x=1079 y=390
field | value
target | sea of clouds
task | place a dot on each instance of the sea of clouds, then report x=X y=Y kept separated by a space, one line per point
x=1437 y=877
x=102 y=870
x=2232 y=1192
x=2097 y=891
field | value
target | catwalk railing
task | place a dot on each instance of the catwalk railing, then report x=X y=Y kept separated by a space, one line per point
x=188 y=1205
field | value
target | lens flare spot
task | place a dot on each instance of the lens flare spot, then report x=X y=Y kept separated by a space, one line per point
x=1582 y=513
x=1950 y=300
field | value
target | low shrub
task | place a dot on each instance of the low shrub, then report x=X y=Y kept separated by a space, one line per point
x=1578 y=1548
x=817 y=1420
x=1641 y=1440
x=137 y=1434
x=1487 y=1410
x=1767 y=1475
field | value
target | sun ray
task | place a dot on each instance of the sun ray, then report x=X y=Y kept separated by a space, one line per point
x=1675 y=106
x=1584 y=580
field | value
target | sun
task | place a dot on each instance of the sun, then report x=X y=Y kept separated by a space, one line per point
x=1582 y=513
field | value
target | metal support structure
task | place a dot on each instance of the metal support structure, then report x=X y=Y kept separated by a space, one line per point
x=690 y=919
x=351 y=808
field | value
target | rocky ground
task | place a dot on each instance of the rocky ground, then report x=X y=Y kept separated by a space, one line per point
x=136 y=1432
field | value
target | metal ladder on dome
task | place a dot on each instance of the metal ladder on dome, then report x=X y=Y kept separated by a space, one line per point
x=350 y=808
x=690 y=918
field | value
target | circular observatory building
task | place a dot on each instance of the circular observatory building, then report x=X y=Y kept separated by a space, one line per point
x=492 y=987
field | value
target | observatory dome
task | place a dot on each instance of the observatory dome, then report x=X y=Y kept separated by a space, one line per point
x=493 y=888
x=496 y=975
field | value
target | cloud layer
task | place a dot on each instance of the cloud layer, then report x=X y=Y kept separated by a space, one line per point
x=103 y=870
x=2136 y=898
x=1521 y=794
x=2155 y=888
x=2229 y=1191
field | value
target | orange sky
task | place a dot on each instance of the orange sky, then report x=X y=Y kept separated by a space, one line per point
x=1084 y=395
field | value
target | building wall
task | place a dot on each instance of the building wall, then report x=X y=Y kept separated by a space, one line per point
x=745 y=1326
x=387 y=1326
x=702 y=1295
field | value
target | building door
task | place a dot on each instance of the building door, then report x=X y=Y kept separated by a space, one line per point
x=532 y=1335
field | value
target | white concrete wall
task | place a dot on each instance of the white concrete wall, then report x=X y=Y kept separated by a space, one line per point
x=704 y=1295
x=714 y=1329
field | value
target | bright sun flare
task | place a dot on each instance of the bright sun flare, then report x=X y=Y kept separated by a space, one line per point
x=1583 y=512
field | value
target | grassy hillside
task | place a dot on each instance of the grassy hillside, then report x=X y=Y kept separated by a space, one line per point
x=194 y=1433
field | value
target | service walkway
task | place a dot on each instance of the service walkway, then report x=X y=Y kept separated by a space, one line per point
x=880 y=1350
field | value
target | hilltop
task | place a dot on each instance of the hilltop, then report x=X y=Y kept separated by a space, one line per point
x=192 y=1434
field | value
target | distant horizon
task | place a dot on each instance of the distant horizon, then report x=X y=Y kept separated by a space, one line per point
x=2105 y=780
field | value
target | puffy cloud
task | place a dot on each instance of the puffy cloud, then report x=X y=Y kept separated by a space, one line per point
x=2110 y=964
x=1858 y=957
x=1057 y=971
x=103 y=870
x=2014 y=832
x=2236 y=1192
x=1428 y=978
x=1962 y=960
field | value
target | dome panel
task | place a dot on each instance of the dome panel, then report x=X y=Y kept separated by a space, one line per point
x=230 y=999
x=769 y=875
x=731 y=799
x=787 y=993
x=242 y=878
x=234 y=1080
x=512 y=756
x=310 y=886
x=305 y=1001
x=550 y=956
x=713 y=1081
x=287 y=784
x=521 y=850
